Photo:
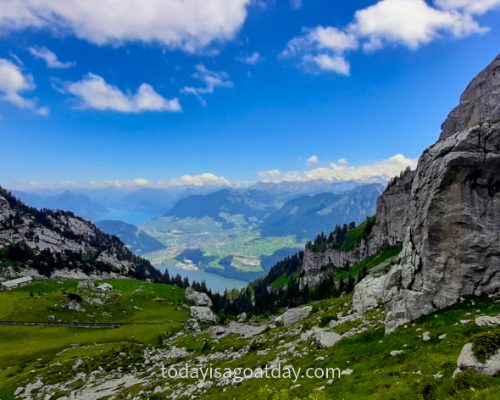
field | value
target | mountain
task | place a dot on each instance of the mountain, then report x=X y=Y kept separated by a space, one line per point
x=307 y=215
x=249 y=203
x=138 y=241
x=444 y=217
x=45 y=242
x=79 y=204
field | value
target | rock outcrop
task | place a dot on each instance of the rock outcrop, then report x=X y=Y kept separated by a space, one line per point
x=452 y=217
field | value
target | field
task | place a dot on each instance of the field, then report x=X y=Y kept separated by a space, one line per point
x=150 y=311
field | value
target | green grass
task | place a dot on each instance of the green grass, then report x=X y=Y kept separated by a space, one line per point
x=133 y=302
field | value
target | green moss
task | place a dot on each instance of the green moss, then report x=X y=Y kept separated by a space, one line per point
x=486 y=344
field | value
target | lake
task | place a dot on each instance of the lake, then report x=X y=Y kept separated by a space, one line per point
x=215 y=282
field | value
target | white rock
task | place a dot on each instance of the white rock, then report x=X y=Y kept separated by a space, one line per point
x=199 y=299
x=347 y=371
x=486 y=320
x=203 y=314
x=395 y=353
x=323 y=339
x=441 y=337
x=368 y=293
x=85 y=285
x=105 y=287
x=426 y=336
x=293 y=315
x=438 y=376
x=467 y=360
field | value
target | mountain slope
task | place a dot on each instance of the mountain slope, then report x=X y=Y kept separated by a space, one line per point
x=306 y=216
x=46 y=241
x=79 y=204
x=136 y=240
x=249 y=203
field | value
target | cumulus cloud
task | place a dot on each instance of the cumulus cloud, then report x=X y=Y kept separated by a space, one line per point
x=49 y=57
x=189 y=24
x=409 y=23
x=211 y=81
x=470 y=6
x=342 y=171
x=312 y=160
x=95 y=93
x=322 y=48
x=205 y=179
x=252 y=59
x=13 y=82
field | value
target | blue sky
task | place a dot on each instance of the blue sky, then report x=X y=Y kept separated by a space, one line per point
x=220 y=91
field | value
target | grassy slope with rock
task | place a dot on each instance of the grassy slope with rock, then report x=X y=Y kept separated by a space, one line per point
x=81 y=361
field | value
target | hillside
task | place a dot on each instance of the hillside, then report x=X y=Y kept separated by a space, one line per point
x=139 y=242
x=43 y=242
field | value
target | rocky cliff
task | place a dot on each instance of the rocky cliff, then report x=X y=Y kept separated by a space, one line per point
x=56 y=240
x=451 y=221
x=389 y=230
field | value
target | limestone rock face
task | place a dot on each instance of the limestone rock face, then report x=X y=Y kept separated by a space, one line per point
x=451 y=221
x=203 y=314
x=293 y=315
x=199 y=299
x=452 y=247
x=480 y=102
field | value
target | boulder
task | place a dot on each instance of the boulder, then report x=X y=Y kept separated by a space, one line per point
x=322 y=338
x=197 y=298
x=293 y=315
x=486 y=320
x=203 y=314
x=467 y=360
x=105 y=287
x=242 y=317
x=368 y=293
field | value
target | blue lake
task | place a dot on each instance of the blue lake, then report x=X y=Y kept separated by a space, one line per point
x=215 y=282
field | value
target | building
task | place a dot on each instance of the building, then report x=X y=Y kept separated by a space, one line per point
x=14 y=283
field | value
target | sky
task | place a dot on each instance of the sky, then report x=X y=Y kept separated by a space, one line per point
x=209 y=92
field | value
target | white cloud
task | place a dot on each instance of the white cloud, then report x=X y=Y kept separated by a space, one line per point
x=211 y=80
x=312 y=160
x=252 y=59
x=342 y=171
x=49 y=57
x=95 y=93
x=205 y=179
x=13 y=82
x=322 y=49
x=189 y=24
x=410 y=23
x=469 y=6
x=296 y=4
